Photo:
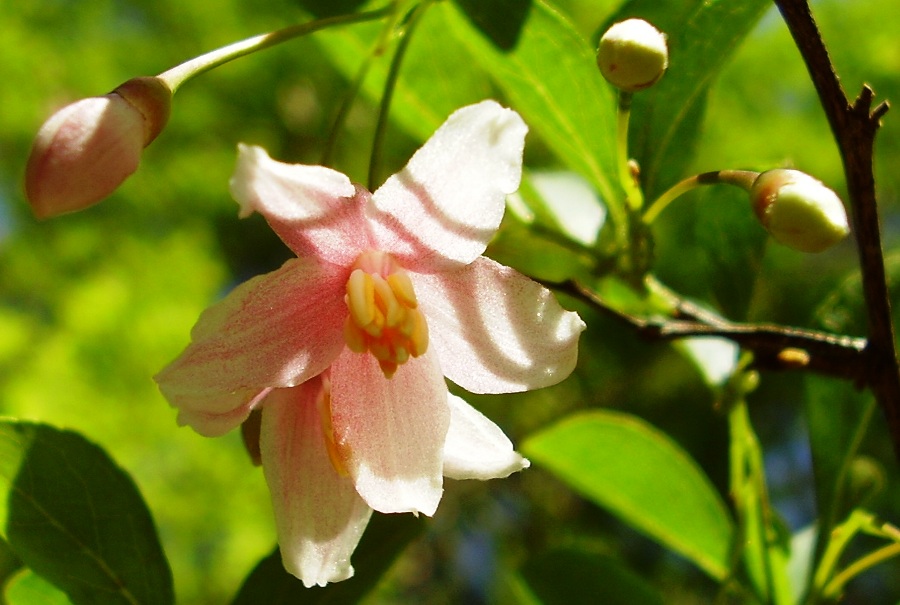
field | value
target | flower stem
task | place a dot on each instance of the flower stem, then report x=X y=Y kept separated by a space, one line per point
x=633 y=196
x=739 y=178
x=389 y=85
x=836 y=585
x=180 y=74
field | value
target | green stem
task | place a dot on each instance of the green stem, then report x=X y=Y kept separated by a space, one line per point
x=764 y=556
x=633 y=195
x=180 y=74
x=389 y=86
x=836 y=585
x=739 y=178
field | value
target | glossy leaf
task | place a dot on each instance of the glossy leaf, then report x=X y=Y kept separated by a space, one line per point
x=28 y=588
x=625 y=465
x=77 y=519
x=431 y=85
x=385 y=537
x=702 y=36
x=550 y=77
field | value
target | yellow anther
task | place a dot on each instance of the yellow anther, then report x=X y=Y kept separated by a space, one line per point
x=335 y=454
x=354 y=337
x=418 y=340
x=384 y=316
x=402 y=287
x=361 y=298
x=387 y=302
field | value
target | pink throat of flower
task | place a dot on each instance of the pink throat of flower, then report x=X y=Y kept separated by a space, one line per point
x=384 y=317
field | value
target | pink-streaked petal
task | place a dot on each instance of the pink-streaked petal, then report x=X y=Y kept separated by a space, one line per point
x=497 y=331
x=476 y=448
x=446 y=204
x=391 y=432
x=318 y=514
x=315 y=210
x=275 y=330
x=202 y=415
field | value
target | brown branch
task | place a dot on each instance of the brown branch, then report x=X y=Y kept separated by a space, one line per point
x=854 y=126
x=775 y=347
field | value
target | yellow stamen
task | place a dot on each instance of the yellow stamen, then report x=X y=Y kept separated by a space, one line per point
x=361 y=298
x=384 y=316
x=403 y=288
x=418 y=340
x=335 y=454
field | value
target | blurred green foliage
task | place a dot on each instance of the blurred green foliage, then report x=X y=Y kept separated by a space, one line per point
x=93 y=304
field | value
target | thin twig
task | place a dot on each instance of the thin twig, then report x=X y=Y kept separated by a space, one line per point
x=775 y=347
x=854 y=126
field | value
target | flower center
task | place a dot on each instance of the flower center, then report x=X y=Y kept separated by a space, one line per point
x=384 y=316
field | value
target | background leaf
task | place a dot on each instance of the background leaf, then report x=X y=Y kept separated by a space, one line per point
x=572 y=576
x=551 y=78
x=28 y=588
x=666 y=118
x=77 y=519
x=384 y=539
x=622 y=463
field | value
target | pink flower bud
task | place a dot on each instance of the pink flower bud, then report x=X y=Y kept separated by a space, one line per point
x=632 y=55
x=798 y=210
x=87 y=149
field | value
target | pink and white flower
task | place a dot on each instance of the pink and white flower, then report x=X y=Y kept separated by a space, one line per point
x=345 y=348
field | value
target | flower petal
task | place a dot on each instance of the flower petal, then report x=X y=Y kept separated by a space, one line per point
x=318 y=514
x=275 y=330
x=391 y=432
x=445 y=205
x=314 y=210
x=476 y=448
x=497 y=331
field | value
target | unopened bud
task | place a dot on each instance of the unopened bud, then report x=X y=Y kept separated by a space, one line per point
x=87 y=149
x=798 y=210
x=632 y=55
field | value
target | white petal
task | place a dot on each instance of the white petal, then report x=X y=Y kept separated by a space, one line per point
x=391 y=431
x=447 y=203
x=315 y=210
x=286 y=191
x=497 y=331
x=319 y=516
x=476 y=448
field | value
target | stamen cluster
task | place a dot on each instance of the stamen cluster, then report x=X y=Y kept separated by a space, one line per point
x=384 y=317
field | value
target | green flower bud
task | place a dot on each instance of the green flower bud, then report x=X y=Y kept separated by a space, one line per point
x=632 y=55
x=87 y=149
x=798 y=210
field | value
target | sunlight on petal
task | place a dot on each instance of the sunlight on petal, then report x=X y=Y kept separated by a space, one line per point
x=391 y=431
x=497 y=331
x=446 y=204
x=318 y=514
x=476 y=448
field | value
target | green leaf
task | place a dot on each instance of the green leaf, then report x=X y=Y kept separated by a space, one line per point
x=570 y=576
x=550 y=77
x=77 y=519
x=702 y=37
x=28 y=588
x=328 y=8
x=431 y=84
x=625 y=465
x=384 y=539
x=499 y=20
x=9 y=564
x=709 y=246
